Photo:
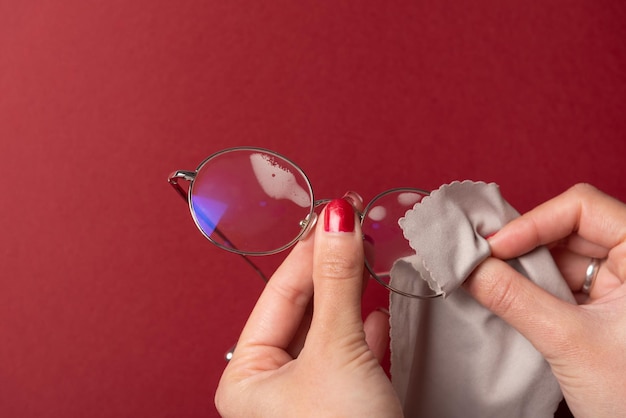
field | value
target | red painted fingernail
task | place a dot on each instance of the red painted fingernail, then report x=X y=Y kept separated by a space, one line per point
x=354 y=198
x=339 y=216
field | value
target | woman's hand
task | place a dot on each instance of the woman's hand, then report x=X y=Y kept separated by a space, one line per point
x=285 y=366
x=585 y=344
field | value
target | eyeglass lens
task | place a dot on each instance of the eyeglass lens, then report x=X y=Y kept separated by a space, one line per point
x=250 y=201
x=380 y=227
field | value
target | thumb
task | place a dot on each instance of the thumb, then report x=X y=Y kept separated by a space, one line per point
x=538 y=315
x=337 y=274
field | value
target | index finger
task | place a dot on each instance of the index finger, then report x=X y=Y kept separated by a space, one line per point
x=278 y=313
x=582 y=210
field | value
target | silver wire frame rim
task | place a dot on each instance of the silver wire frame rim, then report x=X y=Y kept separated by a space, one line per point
x=305 y=221
x=367 y=264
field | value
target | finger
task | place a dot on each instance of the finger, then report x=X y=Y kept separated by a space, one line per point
x=357 y=203
x=582 y=210
x=337 y=273
x=355 y=200
x=572 y=266
x=293 y=284
x=612 y=273
x=580 y=245
x=376 y=328
x=281 y=307
x=299 y=339
x=539 y=316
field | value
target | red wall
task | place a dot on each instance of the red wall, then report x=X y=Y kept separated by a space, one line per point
x=111 y=303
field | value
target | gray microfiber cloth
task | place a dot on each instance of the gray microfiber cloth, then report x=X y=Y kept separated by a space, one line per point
x=450 y=357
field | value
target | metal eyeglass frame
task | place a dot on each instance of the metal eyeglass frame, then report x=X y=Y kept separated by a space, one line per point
x=306 y=224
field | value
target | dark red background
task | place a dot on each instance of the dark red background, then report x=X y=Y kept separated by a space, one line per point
x=111 y=303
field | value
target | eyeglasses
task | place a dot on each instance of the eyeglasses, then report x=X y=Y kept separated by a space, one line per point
x=255 y=202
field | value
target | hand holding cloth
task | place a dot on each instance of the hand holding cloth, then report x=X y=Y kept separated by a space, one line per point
x=450 y=356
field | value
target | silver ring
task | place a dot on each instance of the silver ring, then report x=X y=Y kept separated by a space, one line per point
x=590 y=275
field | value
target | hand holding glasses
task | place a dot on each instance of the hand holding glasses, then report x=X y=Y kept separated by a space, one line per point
x=255 y=202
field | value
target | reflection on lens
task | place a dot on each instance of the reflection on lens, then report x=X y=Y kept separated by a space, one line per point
x=209 y=212
x=277 y=181
x=409 y=198
x=380 y=224
x=377 y=213
x=250 y=201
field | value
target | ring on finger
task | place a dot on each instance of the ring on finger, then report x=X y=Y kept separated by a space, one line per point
x=590 y=275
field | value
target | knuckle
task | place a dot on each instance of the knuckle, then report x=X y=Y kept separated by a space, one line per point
x=340 y=266
x=498 y=290
x=494 y=285
x=582 y=190
x=289 y=292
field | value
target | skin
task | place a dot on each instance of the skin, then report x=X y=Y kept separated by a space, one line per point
x=584 y=343
x=295 y=360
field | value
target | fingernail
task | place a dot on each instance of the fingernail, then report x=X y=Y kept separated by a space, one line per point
x=354 y=198
x=339 y=216
x=384 y=310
